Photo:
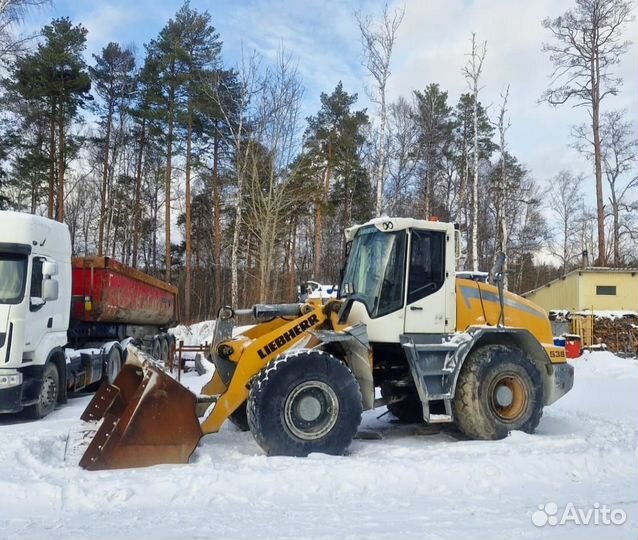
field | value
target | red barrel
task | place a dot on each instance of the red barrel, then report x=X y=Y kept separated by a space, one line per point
x=573 y=348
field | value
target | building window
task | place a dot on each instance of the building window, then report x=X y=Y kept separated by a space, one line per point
x=606 y=290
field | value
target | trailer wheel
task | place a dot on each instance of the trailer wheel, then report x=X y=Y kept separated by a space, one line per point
x=304 y=402
x=49 y=392
x=156 y=348
x=408 y=408
x=164 y=349
x=499 y=390
x=113 y=365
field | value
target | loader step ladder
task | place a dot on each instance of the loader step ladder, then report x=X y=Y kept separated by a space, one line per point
x=431 y=371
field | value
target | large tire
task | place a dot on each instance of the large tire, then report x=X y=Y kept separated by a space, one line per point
x=165 y=349
x=499 y=390
x=49 y=393
x=304 y=402
x=409 y=408
x=156 y=348
x=112 y=365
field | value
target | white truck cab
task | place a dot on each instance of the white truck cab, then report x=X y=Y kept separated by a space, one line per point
x=35 y=288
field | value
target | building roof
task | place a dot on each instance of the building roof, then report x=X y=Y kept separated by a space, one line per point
x=587 y=270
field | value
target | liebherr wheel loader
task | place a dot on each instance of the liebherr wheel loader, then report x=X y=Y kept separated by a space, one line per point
x=439 y=349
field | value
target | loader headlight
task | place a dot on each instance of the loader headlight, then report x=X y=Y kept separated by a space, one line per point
x=10 y=378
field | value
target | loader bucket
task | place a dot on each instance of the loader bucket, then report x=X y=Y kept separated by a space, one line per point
x=148 y=418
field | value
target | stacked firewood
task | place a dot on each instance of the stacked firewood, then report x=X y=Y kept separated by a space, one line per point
x=620 y=334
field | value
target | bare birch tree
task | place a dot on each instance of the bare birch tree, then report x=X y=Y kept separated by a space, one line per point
x=271 y=197
x=502 y=191
x=566 y=200
x=472 y=72
x=12 y=13
x=378 y=42
x=587 y=44
x=238 y=116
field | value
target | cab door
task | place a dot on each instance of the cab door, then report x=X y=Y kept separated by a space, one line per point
x=425 y=308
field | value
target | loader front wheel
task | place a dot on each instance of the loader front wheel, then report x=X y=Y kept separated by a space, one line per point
x=304 y=402
x=499 y=390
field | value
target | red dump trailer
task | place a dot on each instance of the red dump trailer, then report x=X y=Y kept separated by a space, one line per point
x=111 y=292
x=113 y=305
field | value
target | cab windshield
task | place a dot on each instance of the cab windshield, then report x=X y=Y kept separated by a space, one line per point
x=13 y=273
x=375 y=269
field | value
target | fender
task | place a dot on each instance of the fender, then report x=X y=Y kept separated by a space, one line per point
x=436 y=360
x=518 y=337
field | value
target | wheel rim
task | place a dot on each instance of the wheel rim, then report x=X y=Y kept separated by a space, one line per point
x=311 y=410
x=114 y=368
x=49 y=393
x=508 y=397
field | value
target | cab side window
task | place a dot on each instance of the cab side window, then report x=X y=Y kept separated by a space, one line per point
x=427 y=264
x=36 y=277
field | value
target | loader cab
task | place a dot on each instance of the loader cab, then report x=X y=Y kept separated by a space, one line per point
x=399 y=278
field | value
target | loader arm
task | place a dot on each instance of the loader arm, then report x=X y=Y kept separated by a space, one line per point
x=251 y=351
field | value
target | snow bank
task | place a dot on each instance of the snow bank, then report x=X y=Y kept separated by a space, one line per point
x=417 y=482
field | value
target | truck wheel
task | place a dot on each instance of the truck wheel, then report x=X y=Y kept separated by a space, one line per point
x=304 y=402
x=49 y=392
x=164 y=349
x=112 y=366
x=408 y=408
x=156 y=348
x=499 y=390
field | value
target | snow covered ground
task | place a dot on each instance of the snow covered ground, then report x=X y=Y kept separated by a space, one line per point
x=414 y=483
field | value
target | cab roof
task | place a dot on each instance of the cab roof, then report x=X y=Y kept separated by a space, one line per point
x=391 y=224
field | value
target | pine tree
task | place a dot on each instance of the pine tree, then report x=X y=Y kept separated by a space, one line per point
x=55 y=78
x=114 y=82
x=435 y=125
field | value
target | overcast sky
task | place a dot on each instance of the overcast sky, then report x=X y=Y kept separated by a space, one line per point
x=431 y=45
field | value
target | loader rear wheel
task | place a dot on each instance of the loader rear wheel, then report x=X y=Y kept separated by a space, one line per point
x=407 y=407
x=499 y=390
x=304 y=402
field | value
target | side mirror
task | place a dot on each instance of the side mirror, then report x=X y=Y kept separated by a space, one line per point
x=49 y=268
x=50 y=289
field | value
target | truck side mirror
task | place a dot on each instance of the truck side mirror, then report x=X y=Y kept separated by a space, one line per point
x=49 y=289
x=49 y=268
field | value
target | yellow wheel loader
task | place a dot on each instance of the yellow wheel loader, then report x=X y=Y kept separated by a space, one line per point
x=439 y=349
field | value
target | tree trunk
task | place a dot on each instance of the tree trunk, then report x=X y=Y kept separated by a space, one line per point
x=381 y=166
x=474 y=251
x=105 y=176
x=167 y=207
x=50 y=206
x=600 y=207
x=137 y=210
x=187 y=285
x=60 y=216
x=292 y=261
x=217 y=227
x=318 y=217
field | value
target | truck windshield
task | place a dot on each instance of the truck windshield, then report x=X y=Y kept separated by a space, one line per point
x=375 y=270
x=13 y=272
